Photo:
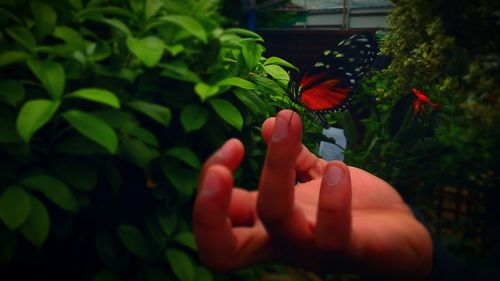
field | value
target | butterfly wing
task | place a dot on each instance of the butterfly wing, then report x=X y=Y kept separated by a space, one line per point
x=328 y=85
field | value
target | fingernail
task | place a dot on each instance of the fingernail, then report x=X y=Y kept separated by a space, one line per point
x=280 y=130
x=211 y=184
x=333 y=175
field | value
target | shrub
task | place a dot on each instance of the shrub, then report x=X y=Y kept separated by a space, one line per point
x=448 y=49
x=107 y=110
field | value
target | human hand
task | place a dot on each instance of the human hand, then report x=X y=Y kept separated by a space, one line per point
x=338 y=219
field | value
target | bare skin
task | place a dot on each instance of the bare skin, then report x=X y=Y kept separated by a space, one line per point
x=337 y=219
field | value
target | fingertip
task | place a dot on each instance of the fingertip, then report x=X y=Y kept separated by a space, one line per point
x=267 y=128
x=213 y=180
x=333 y=224
x=229 y=155
x=235 y=144
x=214 y=194
x=335 y=173
x=290 y=118
x=232 y=148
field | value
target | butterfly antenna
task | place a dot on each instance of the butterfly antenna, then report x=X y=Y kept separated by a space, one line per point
x=291 y=92
x=290 y=120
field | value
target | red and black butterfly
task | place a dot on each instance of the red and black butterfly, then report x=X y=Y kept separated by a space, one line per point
x=329 y=84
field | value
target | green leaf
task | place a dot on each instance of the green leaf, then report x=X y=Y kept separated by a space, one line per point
x=93 y=13
x=11 y=57
x=187 y=239
x=142 y=134
x=76 y=173
x=134 y=240
x=183 y=179
x=117 y=72
x=203 y=274
x=117 y=119
x=33 y=115
x=149 y=49
x=59 y=50
x=45 y=18
x=281 y=62
x=22 y=36
x=137 y=152
x=238 y=82
x=251 y=53
x=159 y=113
x=167 y=221
x=77 y=4
x=118 y=24
x=15 y=206
x=205 y=91
x=36 y=228
x=152 y=7
x=268 y=85
x=187 y=23
x=181 y=264
x=6 y=14
x=97 y=95
x=79 y=145
x=243 y=32
x=53 y=189
x=11 y=91
x=51 y=74
x=93 y=128
x=193 y=117
x=136 y=5
x=185 y=155
x=101 y=51
x=71 y=37
x=179 y=71
x=154 y=231
x=227 y=112
x=278 y=73
x=252 y=101
x=107 y=248
x=175 y=49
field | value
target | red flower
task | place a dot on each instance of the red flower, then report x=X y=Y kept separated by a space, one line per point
x=418 y=106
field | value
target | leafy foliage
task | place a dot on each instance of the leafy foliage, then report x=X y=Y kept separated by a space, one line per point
x=454 y=144
x=107 y=110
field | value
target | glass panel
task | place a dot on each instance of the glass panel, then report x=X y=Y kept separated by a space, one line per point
x=337 y=4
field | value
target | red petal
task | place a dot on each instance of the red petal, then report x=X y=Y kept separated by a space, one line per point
x=423 y=98
x=417 y=106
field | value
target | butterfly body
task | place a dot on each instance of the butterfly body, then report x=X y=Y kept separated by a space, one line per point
x=328 y=85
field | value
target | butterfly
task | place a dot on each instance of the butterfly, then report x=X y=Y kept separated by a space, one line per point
x=329 y=84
